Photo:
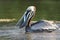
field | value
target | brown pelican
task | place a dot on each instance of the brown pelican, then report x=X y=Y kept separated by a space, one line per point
x=39 y=26
x=25 y=19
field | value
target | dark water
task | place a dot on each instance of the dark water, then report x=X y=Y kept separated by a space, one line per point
x=14 y=33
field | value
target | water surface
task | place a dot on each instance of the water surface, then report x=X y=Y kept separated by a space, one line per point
x=14 y=33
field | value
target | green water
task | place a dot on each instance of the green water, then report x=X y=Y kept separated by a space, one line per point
x=46 y=9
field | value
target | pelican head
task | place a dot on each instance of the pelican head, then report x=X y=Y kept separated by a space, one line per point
x=29 y=13
x=32 y=8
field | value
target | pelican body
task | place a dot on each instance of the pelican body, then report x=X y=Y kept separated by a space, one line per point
x=42 y=25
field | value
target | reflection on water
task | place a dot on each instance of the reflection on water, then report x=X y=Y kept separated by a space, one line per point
x=11 y=33
x=14 y=33
x=41 y=36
